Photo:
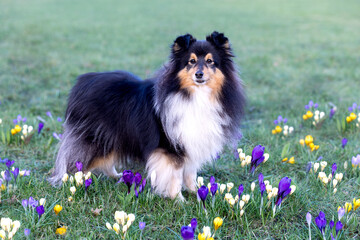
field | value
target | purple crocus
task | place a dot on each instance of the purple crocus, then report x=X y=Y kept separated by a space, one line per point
x=49 y=114
x=202 y=193
x=193 y=224
x=276 y=122
x=59 y=119
x=262 y=184
x=87 y=183
x=127 y=178
x=308 y=218
x=355 y=160
x=257 y=157
x=79 y=165
x=40 y=210
x=284 y=190
x=316 y=105
x=321 y=221
x=187 y=233
x=40 y=127
x=331 y=224
x=7 y=176
x=57 y=136
x=212 y=180
x=9 y=163
x=341 y=213
x=137 y=179
x=213 y=189
x=26 y=172
x=142 y=225
x=344 y=141
x=338 y=227
x=333 y=169
x=285 y=120
x=241 y=190
x=25 y=203
x=32 y=202
x=3 y=160
x=15 y=173
x=332 y=113
x=353 y=107
x=27 y=232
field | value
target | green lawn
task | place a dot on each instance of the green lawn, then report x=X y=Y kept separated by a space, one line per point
x=288 y=53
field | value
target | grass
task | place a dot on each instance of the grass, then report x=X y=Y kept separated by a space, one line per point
x=288 y=54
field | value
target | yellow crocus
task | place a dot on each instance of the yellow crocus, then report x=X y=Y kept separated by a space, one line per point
x=305 y=117
x=17 y=128
x=356 y=203
x=291 y=160
x=309 y=114
x=273 y=131
x=13 y=131
x=309 y=139
x=61 y=231
x=348 y=119
x=284 y=160
x=218 y=221
x=352 y=116
x=302 y=142
x=201 y=236
x=3 y=187
x=278 y=129
x=348 y=207
x=57 y=209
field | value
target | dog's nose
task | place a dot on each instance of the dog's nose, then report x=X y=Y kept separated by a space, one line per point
x=199 y=74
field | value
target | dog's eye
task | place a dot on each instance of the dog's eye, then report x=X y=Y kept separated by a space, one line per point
x=192 y=61
x=209 y=61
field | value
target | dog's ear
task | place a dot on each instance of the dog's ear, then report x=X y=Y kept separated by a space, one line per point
x=182 y=43
x=220 y=42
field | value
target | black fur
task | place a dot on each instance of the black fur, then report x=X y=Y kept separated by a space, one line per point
x=117 y=111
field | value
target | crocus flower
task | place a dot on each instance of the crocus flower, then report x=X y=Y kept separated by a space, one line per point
x=344 y=141
x=7 y=176
x=240 y=189
x=213 y=188
x=137 y=179
x=49 y=114
x=79 y=165
x=9 y=163
x=284 y=189
x=127 y=178
x=355 y=161
x=59 y=119
x=218 y=221
x=262 y=184
x=57 y=209
x=333 y=169
x=187 y=233
x=338 y=227
x=15 y=173
x=57 y=136
x=25 y=203
x=142 y=225
x=321 y=221
x=32 y=202
x=193 y=224
x=212 y=179
x=332 y=112
x=257 y=157
x=308 y=218
x=40 y=210
x=331 y=224
x=87 y=183
x=27 y=232
x=202 y=193
x=40 y=127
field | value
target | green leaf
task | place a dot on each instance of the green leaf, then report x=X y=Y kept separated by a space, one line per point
x=285 y=150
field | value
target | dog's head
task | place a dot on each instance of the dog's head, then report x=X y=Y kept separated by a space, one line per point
x=202 y=63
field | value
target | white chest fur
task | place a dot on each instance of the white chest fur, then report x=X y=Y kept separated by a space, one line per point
x=196 y=123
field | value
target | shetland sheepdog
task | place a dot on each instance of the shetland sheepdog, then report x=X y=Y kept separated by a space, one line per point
x=174 y=122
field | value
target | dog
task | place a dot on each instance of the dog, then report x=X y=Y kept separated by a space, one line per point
x=175 y=122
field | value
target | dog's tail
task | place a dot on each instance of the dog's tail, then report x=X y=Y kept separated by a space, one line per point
x=71 y=151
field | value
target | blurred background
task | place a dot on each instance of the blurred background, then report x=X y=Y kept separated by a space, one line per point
x=287 y=51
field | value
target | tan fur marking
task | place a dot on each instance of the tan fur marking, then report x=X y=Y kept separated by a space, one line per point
x=209 y=56
x=176 y=47
x=216 y=82
x=105 y=164
x=186 y=81
x=193 y=56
